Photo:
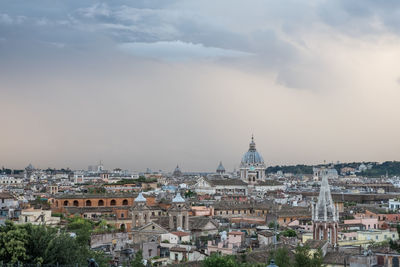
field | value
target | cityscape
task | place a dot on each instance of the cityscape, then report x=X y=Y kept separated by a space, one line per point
x=341 y=217
x=199 y=133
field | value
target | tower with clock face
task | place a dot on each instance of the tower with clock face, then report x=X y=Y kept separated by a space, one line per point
x=252 y=166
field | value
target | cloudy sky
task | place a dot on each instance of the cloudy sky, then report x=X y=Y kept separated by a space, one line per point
x=147 y=83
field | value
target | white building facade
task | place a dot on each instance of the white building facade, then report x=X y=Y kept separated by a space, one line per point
x=252 y=166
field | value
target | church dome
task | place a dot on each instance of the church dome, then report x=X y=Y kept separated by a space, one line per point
x=252 y=156
x=177 y=172
x=220 y=168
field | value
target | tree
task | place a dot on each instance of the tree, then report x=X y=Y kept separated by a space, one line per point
x=289 y=233
x=63 y=249
x=317 y=259
x=138 y=260
x=38 y=240
x=82 y=228
x=216 y=260
x=189 y=194
x=39 y=244
x=13 y=240
x=272 y=225
x=281 y=257
x=302 y=257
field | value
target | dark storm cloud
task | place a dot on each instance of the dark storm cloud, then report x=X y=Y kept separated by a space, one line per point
x=152 y=83
x=360 y=16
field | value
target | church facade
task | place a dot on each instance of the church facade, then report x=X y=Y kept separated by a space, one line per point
x=252 y=166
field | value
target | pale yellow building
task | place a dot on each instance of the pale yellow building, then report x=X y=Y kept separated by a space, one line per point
x=376 y=235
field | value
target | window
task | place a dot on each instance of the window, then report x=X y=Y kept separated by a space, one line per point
x=376 y=237
x=152 y=213
x=125 y=202
x=66 y=203
x=153 y=227
x=100 y=203
x=88 y=203
x=76 y=203
x=122 y=215
x=113 y=202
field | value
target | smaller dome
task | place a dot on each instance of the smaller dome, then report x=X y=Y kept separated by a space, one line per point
x=220 y=168
x=177 y=172
x=178 y=198
x=140 y=198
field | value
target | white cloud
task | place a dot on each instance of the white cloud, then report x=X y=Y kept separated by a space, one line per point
x=7 y=19
x=178 y=50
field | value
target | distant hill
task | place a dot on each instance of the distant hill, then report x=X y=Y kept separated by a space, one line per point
x=391 y=168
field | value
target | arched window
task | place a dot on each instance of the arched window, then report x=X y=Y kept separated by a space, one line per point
x=175 y=222
x=113 y=202
x=76 y=203
x=100 y=203
x=66 y=203
x=88 y=203
x=123 y=227
x=125 y=202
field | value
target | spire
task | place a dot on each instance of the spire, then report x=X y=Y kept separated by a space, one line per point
x=140 y=198
x=178 y=198
x=325 y=209
x=252 y=144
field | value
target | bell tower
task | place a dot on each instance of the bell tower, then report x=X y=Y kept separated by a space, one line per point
x=325 y=215
x=140 y=212
x=179 y=214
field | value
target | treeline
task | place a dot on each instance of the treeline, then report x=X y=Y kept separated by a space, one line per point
x=302 y=257
x=10 y=171
x=47 y=171
x=295 y=169
x=39 y=244
x=391 y=168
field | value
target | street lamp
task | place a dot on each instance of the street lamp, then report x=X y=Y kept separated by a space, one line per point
x=272 y=264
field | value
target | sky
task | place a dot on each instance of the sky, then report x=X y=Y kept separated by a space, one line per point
x=151 y=84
